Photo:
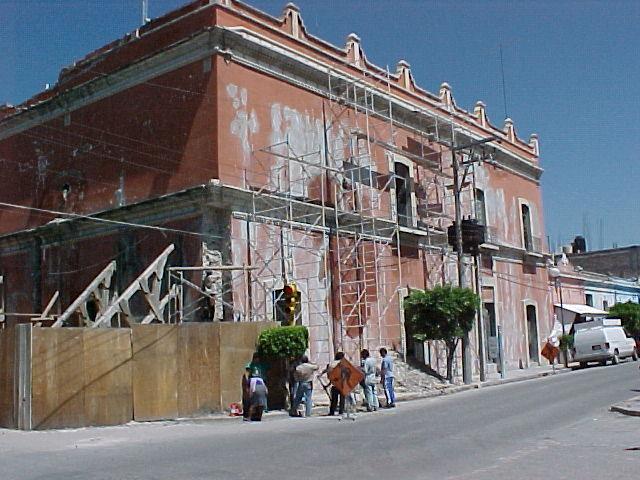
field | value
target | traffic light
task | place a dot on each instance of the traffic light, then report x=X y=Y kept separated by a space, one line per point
x=291 y=298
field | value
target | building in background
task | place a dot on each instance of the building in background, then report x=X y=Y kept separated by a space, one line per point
x=582 y=290
x=272 y=158
x=623 y=262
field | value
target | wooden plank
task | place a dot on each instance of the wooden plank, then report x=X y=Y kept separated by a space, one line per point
x=23 y=375
x=155 y=372
x=108 y=395
x=57 y=378
x=199 y=367
x=7 y=378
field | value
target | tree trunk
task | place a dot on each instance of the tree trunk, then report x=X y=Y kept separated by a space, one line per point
x=451 y=352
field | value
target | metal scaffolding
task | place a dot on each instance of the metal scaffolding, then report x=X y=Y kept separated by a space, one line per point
x=341 y=193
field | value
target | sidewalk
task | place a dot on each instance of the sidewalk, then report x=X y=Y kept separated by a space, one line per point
x=629 y=407
x=321 y=404
x=511 y=376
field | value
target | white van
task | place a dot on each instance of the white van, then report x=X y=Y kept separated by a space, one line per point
x=601 y=340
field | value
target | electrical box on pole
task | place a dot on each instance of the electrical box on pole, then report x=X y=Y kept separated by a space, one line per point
x=473 y=235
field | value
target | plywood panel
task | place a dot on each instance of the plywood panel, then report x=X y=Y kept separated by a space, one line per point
x=57 y=378
x=7 y=378
x=237 y=344
x=155 y=372
x=199 y=367
x=108 y=396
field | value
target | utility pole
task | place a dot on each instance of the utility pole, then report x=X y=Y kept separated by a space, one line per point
x=481 y=349
x=466 y=344
x=467 y=370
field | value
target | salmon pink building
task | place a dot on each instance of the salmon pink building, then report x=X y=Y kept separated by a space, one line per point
x=266 y=157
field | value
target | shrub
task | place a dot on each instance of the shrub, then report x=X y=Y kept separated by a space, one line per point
x=566 y=342
x=283 y=342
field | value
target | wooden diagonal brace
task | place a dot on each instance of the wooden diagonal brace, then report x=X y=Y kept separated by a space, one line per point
x=153 y=273
x=98 y=288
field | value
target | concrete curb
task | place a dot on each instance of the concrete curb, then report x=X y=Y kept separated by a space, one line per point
x=630 y=407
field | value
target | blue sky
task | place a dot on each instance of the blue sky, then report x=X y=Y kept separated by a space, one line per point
x=572 y=74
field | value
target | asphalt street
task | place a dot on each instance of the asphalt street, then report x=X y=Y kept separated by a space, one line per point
x=554 y=427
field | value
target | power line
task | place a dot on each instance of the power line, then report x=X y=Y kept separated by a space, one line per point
x=113 y=222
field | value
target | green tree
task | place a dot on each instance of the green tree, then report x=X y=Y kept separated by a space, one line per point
x=444 y=313
x=629 y=313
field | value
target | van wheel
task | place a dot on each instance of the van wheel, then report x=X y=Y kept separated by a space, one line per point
x=615 y=360
x=583 y=364
x=634 y=355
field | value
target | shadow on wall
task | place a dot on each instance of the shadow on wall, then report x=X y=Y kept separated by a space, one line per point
x=90 y=377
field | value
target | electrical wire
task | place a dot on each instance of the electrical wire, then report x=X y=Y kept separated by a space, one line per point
x=113 y=222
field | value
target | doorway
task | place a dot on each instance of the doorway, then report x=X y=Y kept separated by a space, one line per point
x=532 y=327
x=491 y=332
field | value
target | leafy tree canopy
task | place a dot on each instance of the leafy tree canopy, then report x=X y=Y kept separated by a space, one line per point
x=629 y=313
x=283 y=342
x=443 y=313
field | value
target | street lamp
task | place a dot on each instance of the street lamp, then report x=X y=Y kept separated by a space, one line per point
x=554 y=272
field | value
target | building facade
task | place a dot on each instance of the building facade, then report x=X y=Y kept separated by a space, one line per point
x=273 y=158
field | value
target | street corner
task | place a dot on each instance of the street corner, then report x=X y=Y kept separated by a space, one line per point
x=629 y=407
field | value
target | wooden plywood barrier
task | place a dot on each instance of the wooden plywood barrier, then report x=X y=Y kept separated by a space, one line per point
x=190 y=369
x=80 y=377
x=8 y=386
x=75 y=377
x=198 y=364
x=155 y=372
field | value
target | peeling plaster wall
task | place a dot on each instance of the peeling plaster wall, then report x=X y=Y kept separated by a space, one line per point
x=257 y=113
x=502 y=191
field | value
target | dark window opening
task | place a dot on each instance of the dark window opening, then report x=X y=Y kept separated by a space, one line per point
x=403 y=194
x=589 y=299
x=526 y=228
x=481 y=213
x=605 y=305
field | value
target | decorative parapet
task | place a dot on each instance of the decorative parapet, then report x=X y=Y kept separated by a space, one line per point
x=446 y=97
x=354 y=50
x=293 y=20
x=480 y=112
x=290 y=24
x=509 y=129
x=405 y=77
x=534 y=143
